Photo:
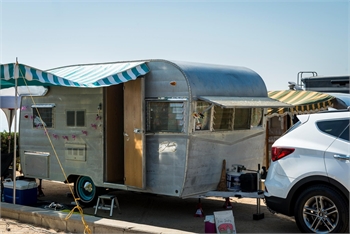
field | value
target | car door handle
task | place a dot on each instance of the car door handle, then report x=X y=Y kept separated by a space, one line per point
x=342 y=157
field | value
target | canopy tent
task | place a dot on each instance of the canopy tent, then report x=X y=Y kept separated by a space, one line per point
x=281 y=119
x=9 y=102
x=87 y=76
x=303 y=102
x=9 y=105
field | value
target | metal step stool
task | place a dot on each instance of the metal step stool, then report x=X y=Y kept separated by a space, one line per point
x=103 y=206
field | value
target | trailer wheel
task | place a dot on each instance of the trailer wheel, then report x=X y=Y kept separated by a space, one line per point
x=86 y=190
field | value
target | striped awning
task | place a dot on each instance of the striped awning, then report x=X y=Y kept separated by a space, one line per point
x=303 y=102
x=86 y=75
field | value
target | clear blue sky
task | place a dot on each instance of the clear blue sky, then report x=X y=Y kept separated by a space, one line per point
x=277 y=39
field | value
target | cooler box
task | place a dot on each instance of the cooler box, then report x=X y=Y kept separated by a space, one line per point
x=26 y=192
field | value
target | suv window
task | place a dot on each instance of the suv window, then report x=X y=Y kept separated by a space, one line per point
x=345 y=134
x=333 y=127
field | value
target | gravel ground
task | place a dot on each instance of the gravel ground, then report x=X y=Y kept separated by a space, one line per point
x=13 y=226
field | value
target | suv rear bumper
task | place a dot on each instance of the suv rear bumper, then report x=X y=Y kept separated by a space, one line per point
x=279 y=205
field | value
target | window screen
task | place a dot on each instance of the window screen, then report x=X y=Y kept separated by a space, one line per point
x=71 y=118
x=236 y=119
x=222 y=118
x=242 y=118
x=80 y=118
x=257 y=117
x=42 y=117
x=75 y=118
x=165 y=116
x=203 y=116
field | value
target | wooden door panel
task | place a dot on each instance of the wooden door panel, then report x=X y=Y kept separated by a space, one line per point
x=134 y=163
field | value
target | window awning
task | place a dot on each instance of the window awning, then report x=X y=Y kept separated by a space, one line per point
x=87 y=76
x=243 y=102
x=302 y=101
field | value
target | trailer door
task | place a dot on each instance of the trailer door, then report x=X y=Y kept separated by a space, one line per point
x=134 y=147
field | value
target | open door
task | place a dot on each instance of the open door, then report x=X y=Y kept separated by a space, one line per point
x=114 y=128
x=134 y=136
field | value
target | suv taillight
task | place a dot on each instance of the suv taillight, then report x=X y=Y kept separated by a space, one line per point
x=278 y=153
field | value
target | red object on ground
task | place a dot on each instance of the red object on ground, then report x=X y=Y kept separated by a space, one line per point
x=199 y=211
x=227 y=204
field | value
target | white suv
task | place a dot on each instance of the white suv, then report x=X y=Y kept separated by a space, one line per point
x=309 y=174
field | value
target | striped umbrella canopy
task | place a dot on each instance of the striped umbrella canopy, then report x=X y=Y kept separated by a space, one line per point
x=85 y=75
x=303 y=102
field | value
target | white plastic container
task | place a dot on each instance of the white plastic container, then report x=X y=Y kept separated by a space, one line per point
x=233 y=181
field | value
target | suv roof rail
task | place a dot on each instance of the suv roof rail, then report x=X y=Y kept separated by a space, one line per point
x=300 y=76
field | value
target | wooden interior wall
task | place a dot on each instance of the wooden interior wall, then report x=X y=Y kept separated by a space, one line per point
x=114 y=140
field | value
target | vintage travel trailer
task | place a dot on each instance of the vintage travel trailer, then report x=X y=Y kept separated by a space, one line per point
x=152 y=126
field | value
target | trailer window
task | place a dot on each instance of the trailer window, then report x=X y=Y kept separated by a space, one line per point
x=242 y=118
x=257 y=117
x=42 y=117
x=223 y=118
x=237 y=118
x=75 y=118
x=165 y=116
x=202 y=116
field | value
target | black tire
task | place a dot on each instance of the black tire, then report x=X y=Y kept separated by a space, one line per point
x=322 y=209
x=86 y=190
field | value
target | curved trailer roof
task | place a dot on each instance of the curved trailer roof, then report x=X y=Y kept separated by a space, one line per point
x=226 y=86
x=209 y=79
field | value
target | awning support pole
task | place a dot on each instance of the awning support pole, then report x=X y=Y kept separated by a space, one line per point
x=14 y=163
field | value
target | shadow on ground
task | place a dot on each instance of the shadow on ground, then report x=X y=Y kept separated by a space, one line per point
x=172 y=212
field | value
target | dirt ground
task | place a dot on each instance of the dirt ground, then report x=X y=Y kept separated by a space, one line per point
x=12 y=226
x=161 y=211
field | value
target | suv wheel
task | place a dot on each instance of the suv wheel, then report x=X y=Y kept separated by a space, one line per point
x=321 y=209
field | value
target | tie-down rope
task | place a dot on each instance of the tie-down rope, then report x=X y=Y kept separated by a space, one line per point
x=86 y=229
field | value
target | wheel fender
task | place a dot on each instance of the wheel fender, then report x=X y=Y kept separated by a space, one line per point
x=298 y=187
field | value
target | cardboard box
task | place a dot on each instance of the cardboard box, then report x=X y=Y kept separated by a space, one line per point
x=26 y=192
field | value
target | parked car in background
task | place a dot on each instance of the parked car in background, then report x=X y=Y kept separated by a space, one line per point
x=309 y=174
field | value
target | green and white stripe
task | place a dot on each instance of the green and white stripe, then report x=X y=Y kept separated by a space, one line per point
x=86 y=75
x=303 y=102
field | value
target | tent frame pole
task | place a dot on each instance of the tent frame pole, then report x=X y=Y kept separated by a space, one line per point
x=14 y=163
